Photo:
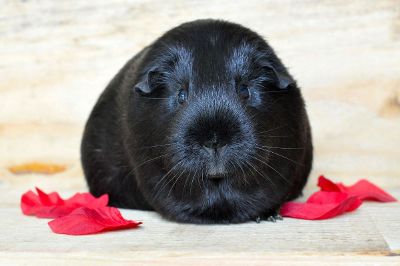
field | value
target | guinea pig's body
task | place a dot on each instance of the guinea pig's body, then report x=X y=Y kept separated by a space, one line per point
x=204 y=126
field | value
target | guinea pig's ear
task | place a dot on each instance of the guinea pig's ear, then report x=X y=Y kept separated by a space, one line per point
x=282 y=79
x=149 y=82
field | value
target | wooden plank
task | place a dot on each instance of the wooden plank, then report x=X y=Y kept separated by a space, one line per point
x=56 y=58
x=352 y=233
x=387 y=222
x=151 y=258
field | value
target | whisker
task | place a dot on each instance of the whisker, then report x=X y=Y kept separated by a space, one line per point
x=174 y=183
x=202 y=181
x=258 y=159
x=282 y=148
x=262 y=174
x=272 y=129
x=191 y=177
x=234 y=168
x=273 y=136
x=128 y=174
x=191 y=185
x=147 y=161
x=184 y=186
x=244 y=174
x=251 y=170
x=265 y=176
x=164 y=176
x=169 y=181
x=154 y=146
x=198 y=179
x=280 y=155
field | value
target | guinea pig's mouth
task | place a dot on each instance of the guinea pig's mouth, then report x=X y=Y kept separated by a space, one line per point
x=216 y=170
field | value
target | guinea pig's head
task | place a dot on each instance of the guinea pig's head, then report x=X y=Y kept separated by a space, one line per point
x=216 y=121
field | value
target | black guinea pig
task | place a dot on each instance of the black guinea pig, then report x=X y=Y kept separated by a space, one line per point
x=205 y=125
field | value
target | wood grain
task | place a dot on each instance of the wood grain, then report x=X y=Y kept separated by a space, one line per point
x=57 y=56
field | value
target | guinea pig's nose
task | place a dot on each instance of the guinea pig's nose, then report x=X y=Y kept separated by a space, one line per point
x=213 y=145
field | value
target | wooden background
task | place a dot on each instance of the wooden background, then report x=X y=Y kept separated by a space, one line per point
x=57 y=56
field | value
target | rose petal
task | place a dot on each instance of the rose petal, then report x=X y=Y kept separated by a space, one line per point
x=323 y=205
x=29 y=203
x=326 y=197
x=363 y=189
x=88 y=200
x=327 y=185
x=84 y=221
x=49 y=199
x=334 y=199
x=52 y=205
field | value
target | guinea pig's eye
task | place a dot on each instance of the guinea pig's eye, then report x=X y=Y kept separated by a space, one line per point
x=182 y=96
x=244 y=92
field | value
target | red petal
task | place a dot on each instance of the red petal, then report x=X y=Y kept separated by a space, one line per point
x=334 y=199
x=29 y=201
x=87 y=200
x=363 y=189
x=49 y=199
x=323 y=205
x=327 y=185
x=326 y=197
x=52 y=205
x=83 y=221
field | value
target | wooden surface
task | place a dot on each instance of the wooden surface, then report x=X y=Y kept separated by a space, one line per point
x=57 y=56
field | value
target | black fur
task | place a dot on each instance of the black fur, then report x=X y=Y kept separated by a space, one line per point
x=205 y=125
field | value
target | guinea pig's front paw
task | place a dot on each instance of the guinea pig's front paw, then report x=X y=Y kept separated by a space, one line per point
x=270 y=218
x=273 y=218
